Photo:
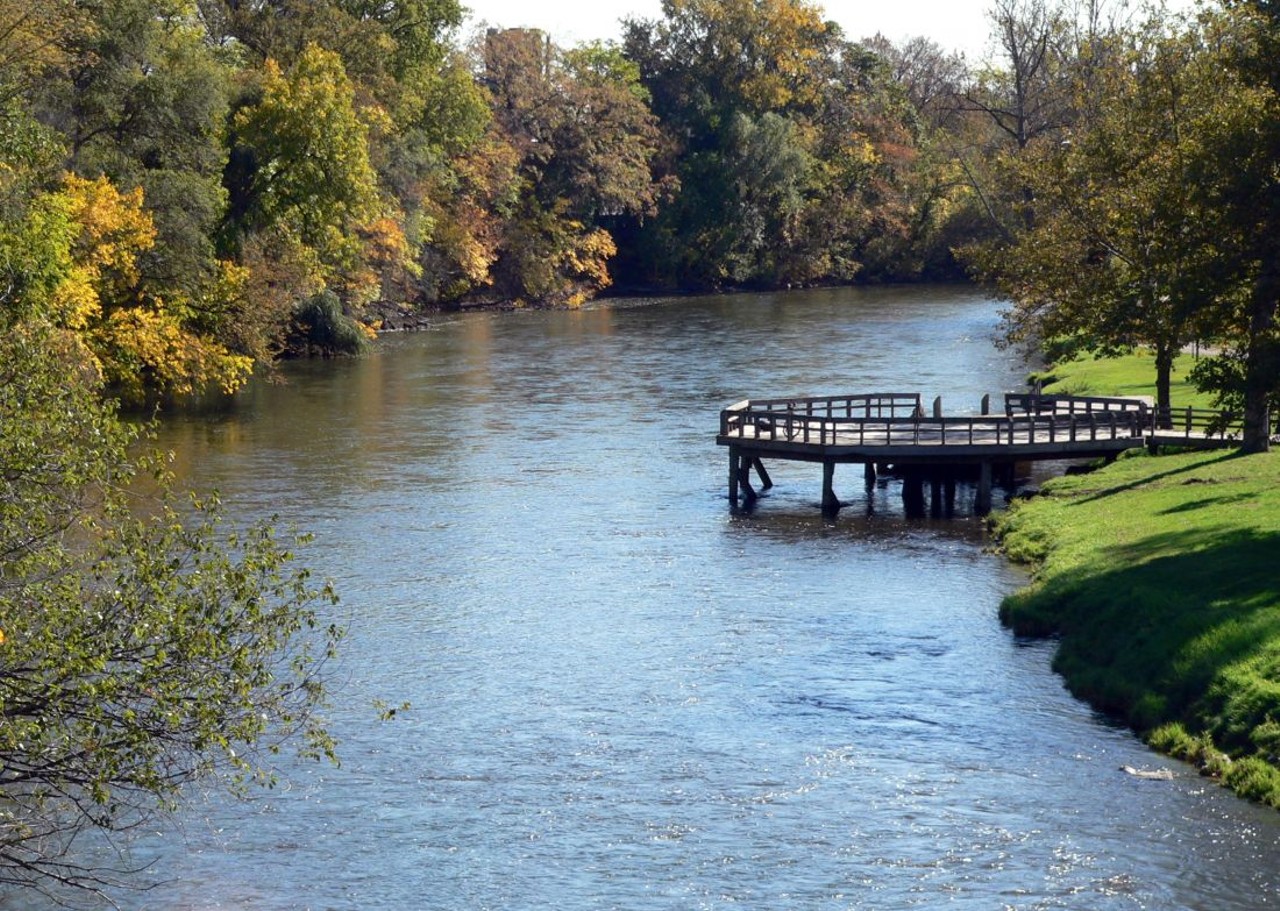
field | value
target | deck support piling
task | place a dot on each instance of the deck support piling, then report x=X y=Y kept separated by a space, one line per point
x=765 y=481
x=982 y=504
x=913 y=495
x=829 y=500
x=740 y=476
x=869 y=473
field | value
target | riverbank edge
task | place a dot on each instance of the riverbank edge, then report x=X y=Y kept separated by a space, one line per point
x=393 y=316
x=1152 y=575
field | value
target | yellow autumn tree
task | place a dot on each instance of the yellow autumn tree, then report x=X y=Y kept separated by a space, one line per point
x=139 y=341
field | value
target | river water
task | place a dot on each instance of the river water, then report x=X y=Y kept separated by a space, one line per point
x=626 y=696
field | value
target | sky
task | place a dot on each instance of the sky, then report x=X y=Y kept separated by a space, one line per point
x=957 y=25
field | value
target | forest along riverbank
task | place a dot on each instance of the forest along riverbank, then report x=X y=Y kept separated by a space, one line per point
x=1158 y=574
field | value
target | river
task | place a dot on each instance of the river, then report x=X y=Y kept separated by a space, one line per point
x=626 y=696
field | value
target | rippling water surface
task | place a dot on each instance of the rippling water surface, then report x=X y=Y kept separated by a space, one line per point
x=625 y=696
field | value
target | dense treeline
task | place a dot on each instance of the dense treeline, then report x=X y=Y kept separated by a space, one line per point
x=191 y=188
x=195 y=187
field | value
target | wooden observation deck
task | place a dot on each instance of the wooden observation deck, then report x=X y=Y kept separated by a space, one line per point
x=881 y=430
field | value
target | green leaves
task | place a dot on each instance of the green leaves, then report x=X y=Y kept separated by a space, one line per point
x=142 y=649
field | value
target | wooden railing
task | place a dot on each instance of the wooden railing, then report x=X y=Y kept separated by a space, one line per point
x=872 y=405
x=1196 y=423
x=898 y=419
x=811 y=422
x=1038 y=403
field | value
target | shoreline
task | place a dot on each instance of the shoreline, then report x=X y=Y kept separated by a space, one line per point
x=1154 y=574
x=399 y=317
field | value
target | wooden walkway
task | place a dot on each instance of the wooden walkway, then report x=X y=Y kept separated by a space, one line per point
x=881 y=430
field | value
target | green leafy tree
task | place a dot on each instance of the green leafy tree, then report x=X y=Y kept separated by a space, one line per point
x=1114 y=256
x=139 y=650
x=584 y=140
x=1235 y=178
x=791 y=150
x=305 y=155
x=141 y=98
x=301 y=176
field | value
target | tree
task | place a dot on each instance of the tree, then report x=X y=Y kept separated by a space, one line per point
x=138 y=342
x=304 y=156
x=1025 y=97
x=1236 y=179
x=1115 y=254
x=790 y=148
x=1036 y=89
x=141 y=98
x=583 y=137
x=139 y=651
x=302 y=182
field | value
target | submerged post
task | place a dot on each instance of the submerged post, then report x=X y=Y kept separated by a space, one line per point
x=982 y=505
x=740 y=476
x=765 y=481
x=829 y=500
x=913 y=494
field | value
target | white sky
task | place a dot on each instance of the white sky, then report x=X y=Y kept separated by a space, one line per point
x=959 y=25
x=956 y=25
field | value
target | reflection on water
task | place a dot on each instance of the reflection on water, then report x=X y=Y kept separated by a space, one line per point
x=627 y=695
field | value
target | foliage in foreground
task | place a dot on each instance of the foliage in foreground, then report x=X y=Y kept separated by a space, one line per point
x=1158 y=575
x=143 y=644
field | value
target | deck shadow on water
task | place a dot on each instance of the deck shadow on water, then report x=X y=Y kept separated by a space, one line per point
x=874 y=516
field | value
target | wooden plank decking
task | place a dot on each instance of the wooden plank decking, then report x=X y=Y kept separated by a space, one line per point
x=881 y=429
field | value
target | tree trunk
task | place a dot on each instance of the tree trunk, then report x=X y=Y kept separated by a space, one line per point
x=1258 y=381
x=1165 y=353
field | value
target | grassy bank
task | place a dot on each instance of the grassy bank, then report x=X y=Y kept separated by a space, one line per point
x=1160 y=576
x=1132 y=374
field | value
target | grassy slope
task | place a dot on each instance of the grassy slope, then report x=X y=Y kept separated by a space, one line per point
x=1133 y=374
x=1159 y=574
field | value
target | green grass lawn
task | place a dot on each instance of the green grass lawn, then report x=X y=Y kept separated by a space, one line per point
x=1160 y=575
x=1131 y=374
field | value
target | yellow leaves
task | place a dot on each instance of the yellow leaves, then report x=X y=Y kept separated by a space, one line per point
x=589 y=257
x=133 y=339
x=75 y=300
x=466 y=236
x=148 y=343
x=113 y=227
x=386 y=246
x=107 y=230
